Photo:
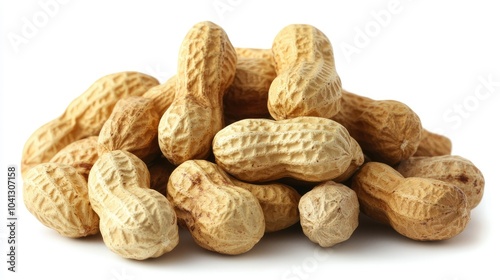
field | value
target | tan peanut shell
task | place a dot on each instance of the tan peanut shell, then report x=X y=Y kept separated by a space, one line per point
x=307 y=83
x=133 y=127
x=84 y=116
x=433 y=144
x=160 y=170
x=220 y=216
x=56 y=194
x=206 y=68
x=162 y=95
x=135 y=221
x=279 y=203
x=453 y=169
x=266 y=54
x=81 y=154
x=418 y=208
x=329 y=213
x=247 y=95
x=311 y=149
x=388 y=131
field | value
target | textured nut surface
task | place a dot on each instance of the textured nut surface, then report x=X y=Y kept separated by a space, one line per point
x=81 y=154
x=220 y=216
x=56 y=194
x=279 y=203
x=433 y=144
x=453 y=169
x=84 y=116
x=206 y=68
x=418 y=208
x=387 y=130
x=135 y=221
x=307 y=83
x=329 y=213
x=162 y=95
x=133 y=127
x=247 y=95
x=312 y=149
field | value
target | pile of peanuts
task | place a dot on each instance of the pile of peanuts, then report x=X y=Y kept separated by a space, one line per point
x=238 y=143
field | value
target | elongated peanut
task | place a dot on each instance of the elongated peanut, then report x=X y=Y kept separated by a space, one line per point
x=56 y=194
x=418 y=208
x=135 y=221
x=312 y=149
x=133 y=127
x=307 y=83
x=329 y=213
x=433 y=144
x=388 y=131
x=84 y=116
x=453 y=169
x=206 y=68
x=247 y=95
x=81 y=154
x=162 y=95
x=279 y=203
x=220 y=216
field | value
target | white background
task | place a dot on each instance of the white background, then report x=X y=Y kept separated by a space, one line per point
x=433 y=56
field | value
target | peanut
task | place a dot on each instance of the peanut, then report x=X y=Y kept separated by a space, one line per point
x=307 y=83
x=388 y=131
x=206 y=68
x=160 y=170
x=329 y=213
x=455 y=170
x=56 y=194
x=135 y=221
x=81 y=154
x=247 y=95
x=133 y=127
x=162 y=95
x=312 y=149
x=84 y=116
x=220 y=216
x=279 y=203
x=418 y=208
x=433 y=144
x=266 y=54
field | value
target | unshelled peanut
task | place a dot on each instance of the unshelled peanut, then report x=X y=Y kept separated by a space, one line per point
x=206 y=68
x=311 y=149
x=56 y=194
x=135 y=221
x=433 y=144
x=221 y=217
x=133 y=127
x=279 y=203
x=247 y=95
x=81 y=154
x=418 y=208
x=162 y=95
x=84 y=116
x=453 y=169
x=307 y=83
x=329 y=213
x=388 y=131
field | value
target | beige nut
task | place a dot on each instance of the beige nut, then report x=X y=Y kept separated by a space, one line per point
x=307 y=83
x=56 y=194
x=433 y=144
x=329 y=213
x=81 y=154
x=311 y=149
x=135 y=221
x=221 y=217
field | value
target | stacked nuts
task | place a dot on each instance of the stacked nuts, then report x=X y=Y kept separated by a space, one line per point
x=238 y=143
